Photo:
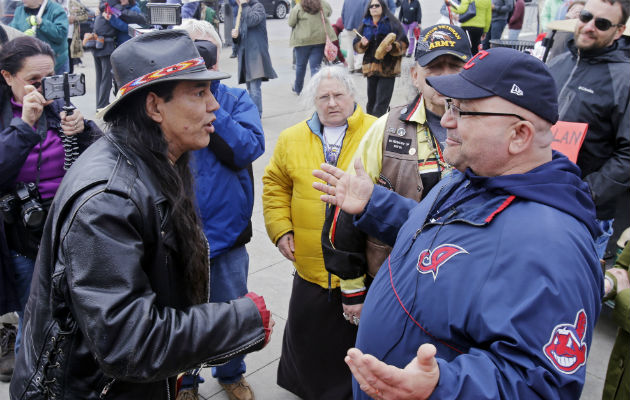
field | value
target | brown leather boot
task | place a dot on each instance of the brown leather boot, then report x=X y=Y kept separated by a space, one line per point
x=239 y=390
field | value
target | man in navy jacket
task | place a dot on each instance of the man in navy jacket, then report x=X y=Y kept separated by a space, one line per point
x=493 y=287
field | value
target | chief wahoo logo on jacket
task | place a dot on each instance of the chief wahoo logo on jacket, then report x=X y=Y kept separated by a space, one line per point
x=566 y=348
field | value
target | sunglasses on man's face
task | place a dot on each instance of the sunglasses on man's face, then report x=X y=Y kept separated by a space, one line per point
x=375 y=6
x=601 y=24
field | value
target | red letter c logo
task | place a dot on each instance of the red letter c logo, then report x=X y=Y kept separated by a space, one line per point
x=480 y=55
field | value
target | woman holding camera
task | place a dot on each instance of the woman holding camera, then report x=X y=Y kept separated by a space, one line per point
x=32 y=154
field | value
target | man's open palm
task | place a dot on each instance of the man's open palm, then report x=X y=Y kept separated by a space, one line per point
x=349 y=192
x=386 y=382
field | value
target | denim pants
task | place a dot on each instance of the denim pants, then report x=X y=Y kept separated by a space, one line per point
x=311 y=54
x=602 y=241
x=513 y=34
x=228 y=281
x=65 y=67
x=495 y=32
x=23 y=270
x=412 y=39
x=255 y=92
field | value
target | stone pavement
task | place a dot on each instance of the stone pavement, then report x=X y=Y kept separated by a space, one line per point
x=270 y=274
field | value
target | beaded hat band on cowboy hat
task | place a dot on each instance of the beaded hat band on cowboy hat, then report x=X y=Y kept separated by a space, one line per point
x=154 y=57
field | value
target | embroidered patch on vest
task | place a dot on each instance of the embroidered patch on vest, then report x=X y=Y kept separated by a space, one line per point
x=566 y=348
x=398 y=145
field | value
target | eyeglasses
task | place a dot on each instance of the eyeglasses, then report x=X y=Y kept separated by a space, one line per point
x=375 y=6
x=458 y=112
x=601 y=24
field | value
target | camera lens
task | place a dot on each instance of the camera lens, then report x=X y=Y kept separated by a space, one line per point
x=33 y=215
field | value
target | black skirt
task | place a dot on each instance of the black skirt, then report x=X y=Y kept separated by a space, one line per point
x=316 y=339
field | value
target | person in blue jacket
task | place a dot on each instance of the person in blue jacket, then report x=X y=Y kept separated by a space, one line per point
x=224 y=189
x=112 y=30
x=189 y=9
x=130 y=13
x=493 y=287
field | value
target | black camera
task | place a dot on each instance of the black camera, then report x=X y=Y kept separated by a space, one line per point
x=25 y=204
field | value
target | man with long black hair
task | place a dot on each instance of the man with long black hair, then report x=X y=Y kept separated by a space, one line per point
x=226 y=214
x=119 y=301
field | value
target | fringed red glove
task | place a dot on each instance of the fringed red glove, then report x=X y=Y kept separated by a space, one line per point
x=265 y=314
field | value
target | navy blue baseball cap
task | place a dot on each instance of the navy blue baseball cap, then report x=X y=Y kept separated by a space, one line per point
x=442 y=39
x=517 y=77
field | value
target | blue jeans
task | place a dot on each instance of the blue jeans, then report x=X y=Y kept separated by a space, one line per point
x=496 y=29
x=228 y=281
x=23 y=270
x=312 y=54
x=513 y=34
x=602 y=241
x=255 y=92
x=65 y=67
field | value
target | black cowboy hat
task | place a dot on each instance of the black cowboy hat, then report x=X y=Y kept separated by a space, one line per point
x=154 y=57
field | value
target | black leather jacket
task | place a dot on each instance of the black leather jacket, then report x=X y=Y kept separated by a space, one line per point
x=108 y=316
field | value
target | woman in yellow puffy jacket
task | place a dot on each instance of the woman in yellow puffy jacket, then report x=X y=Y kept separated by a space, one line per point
x=316 y=335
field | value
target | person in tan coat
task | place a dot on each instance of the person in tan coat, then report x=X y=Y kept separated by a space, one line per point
x=309 y=20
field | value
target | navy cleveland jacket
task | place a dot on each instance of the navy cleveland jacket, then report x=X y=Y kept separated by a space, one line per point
x=499 y=273
x=223 y=171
